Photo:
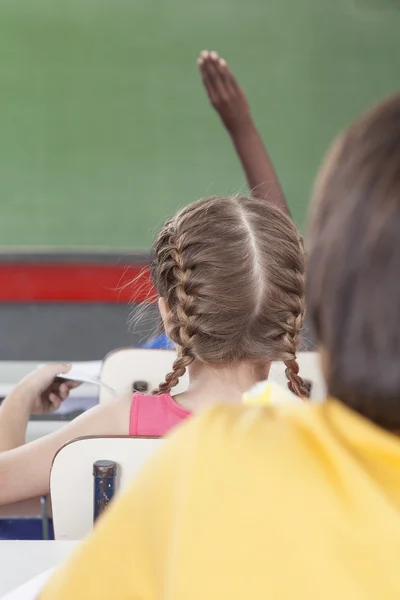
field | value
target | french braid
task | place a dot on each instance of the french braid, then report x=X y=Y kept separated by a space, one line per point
x=181 y=318
x=231 y=270
x=293 y=325
x=295 y=383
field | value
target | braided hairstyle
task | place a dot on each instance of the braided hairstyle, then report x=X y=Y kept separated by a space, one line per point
x=292 y=327
x=231 y=270
x=173 y=277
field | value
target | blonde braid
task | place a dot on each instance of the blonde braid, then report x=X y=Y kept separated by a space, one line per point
x=181 y=318
x=178 y=370
x=291 y=340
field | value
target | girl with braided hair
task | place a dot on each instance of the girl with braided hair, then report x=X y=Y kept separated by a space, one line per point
x=229 y=274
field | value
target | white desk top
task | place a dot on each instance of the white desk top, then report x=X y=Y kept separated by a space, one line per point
x=22 y=560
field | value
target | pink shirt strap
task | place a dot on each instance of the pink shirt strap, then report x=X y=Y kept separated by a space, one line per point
x=155 y=415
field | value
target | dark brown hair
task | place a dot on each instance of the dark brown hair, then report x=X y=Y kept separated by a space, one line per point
x=353 y=271
x=231 y=270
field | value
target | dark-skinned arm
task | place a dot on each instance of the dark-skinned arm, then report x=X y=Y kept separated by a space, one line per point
x=230 y=102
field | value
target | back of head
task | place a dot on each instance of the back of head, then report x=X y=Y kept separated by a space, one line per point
x=231 y=271
x=354 y=265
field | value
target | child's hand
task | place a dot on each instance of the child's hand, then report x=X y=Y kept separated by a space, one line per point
x=224 y=92
x=43 y=390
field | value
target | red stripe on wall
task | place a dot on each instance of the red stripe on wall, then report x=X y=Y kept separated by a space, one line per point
x=75 y=283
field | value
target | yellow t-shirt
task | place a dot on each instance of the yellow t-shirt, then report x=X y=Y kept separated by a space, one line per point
x=287 y=502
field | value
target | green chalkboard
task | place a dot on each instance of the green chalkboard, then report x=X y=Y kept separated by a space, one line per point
x=104 y=126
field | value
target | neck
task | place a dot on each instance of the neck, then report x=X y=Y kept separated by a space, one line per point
x=209 y=385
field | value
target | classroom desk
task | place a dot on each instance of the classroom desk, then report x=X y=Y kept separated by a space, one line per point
x=20 y=561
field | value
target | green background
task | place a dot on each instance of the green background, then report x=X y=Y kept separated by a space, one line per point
x=104 y=125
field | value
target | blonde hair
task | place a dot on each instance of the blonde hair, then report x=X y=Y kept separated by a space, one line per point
x=231 y=270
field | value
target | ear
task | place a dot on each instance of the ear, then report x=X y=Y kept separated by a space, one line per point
x=164 y=310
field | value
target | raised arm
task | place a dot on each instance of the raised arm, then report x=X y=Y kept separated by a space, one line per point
x=230 y=102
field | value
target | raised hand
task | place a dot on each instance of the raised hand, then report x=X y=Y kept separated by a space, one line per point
x=224 y=92
x=230 y=102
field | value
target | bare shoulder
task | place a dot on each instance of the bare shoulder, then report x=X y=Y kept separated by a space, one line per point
x=115 y=414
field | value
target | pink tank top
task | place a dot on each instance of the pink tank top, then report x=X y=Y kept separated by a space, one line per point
x=155 y=415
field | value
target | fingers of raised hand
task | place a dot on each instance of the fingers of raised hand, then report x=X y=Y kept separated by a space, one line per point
x=228 y=76
x=206 y=76
x=215 y=77
x=202 y=57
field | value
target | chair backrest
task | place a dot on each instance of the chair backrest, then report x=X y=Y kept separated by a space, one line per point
x=71 y=478
x=125 y=366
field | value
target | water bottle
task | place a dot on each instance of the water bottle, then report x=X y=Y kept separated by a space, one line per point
x=104 y=472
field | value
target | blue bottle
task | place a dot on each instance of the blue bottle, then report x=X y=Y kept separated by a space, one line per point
x=104 y=472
